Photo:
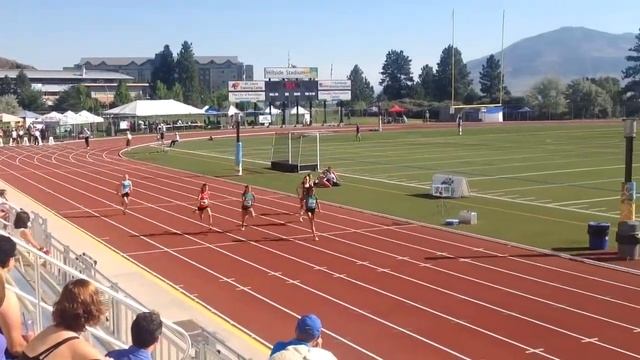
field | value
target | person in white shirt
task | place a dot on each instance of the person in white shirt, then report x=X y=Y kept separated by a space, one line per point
x=86 y=134
x=175 y=141
x=38 y=140
x=129 y=137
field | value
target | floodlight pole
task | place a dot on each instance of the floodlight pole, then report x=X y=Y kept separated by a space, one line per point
x=628 y=193
x=502 y=61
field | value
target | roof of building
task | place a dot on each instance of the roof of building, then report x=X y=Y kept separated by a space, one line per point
x=66 y=74
x=121 y=61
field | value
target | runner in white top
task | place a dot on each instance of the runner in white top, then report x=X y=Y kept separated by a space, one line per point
x=124 y=190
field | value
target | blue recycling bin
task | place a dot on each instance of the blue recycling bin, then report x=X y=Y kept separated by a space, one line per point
x=598 y=235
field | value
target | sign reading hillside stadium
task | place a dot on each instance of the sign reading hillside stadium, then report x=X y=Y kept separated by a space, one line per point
x=291 y=73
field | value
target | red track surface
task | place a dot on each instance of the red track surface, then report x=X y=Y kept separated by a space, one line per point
x=383 y=288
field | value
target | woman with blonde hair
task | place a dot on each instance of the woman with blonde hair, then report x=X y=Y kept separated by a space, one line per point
x=78 y=307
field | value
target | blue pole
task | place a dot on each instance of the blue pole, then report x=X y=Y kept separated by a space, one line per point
x=239 y=157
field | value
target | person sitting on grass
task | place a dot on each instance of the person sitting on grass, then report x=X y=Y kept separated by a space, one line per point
x=321 y=181
x=331 y=177
x=175 y=141
x=146 y=329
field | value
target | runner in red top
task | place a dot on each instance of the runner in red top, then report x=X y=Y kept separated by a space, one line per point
x=203 y=204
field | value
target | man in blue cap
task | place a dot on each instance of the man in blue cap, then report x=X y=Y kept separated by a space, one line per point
x=308 y=337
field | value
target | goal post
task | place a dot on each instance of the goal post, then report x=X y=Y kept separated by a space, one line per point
x=295 y=151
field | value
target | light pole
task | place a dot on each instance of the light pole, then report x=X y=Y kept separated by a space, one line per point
x=628 y=193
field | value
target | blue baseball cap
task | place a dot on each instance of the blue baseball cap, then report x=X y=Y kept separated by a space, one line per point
x=309 y=326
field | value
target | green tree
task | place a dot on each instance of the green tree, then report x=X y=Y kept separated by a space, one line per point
x=77 y=98
x=22 y=83
x=177 y=93
x=397 y=79
x=122 y=95
x=161 y=92
x=9 y=104
x=187 y=74
x=586 y=100
x=164 y=69
x=221 y=98
x=6 y=86
x=471 y=97
x=490 y=79
x=425 y=83
x=632 y=72
x=442 y=89
x=361 y=88
x=613 y=88
x=31 y=99
x=547 y=97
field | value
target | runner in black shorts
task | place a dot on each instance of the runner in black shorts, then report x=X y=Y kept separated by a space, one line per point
x=311 y=205
x=248 y=199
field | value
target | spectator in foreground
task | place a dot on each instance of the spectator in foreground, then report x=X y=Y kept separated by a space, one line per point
x=3 y=340
x=145 y=333
x=307 y=344
x=78 y=306
x=21 y=225
x=10 y=316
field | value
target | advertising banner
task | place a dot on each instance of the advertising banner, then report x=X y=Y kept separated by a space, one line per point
x=239 y=96
x=334 y=95
x=246 y=86
x=334 y=85
x=291 y=73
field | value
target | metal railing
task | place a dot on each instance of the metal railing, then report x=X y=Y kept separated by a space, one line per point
x=48 y=274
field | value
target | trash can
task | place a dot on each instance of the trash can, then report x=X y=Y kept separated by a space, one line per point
x=598 y=235
x=628 y=239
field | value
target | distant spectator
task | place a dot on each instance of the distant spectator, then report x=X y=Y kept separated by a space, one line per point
x=21 y=228
x=145 y=333
x=10 y=315
x=78 y=306
x=86 y=135
x=5 y=211
x=307 y=343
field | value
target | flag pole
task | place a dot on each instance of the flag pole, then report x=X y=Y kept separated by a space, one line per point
x=502 y=61
x=453 y=54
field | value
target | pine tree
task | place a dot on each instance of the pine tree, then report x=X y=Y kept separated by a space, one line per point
x=491 y=78
x=187 y=74
x=397 y=79
x=6 y=86
x=164 y=69
x=361 y=89
x=122 y=95
x=632 y=72
x=425 y=82
x=442 y=81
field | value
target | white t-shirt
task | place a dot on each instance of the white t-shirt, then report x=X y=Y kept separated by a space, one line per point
x=303 y=352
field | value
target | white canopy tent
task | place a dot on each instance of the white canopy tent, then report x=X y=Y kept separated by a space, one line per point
x=29 y=116
x=233 y=111
x=274 y=110
x=154 y=108
x=88 y=118
x=69 y=118
x=8 y=118
x=51 y=117
x=306 y=115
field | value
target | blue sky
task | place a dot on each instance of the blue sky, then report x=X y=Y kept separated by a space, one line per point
x=56 y=33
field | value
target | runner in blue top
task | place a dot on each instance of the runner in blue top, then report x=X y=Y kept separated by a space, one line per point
x=124 y=190
x=248 y=199
x=311 y=204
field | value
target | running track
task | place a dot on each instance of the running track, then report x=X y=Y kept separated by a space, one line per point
x=385 y=289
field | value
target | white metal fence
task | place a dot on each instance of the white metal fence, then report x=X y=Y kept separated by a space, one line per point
x=47 y=275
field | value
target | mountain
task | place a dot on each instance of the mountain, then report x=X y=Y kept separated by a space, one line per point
x=7 y=64
x=566 y=53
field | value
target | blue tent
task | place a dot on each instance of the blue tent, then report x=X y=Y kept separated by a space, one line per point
x=211 y=110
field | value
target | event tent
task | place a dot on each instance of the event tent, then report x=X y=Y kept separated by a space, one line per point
x=28 y=116
x=8 y=118
x=69 y=118
x=298 y=110
x=154 y=108
x=88 y=118
x=273 y=110
x=491 y=114
x=396 y=109
x=51 y=117
x=233 y=110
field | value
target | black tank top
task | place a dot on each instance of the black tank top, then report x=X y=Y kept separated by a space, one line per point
x=46 y=352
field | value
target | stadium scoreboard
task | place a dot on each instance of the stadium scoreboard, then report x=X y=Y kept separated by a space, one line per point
x=290 y=90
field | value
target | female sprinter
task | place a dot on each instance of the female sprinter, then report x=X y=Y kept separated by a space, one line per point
x=248 y=199
x=124 y=190
x=311 y=205
x=203 y=204
x=303 y=191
